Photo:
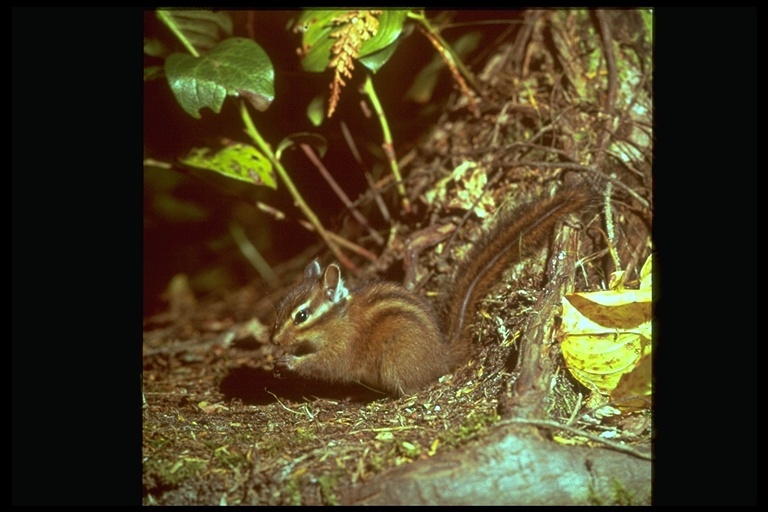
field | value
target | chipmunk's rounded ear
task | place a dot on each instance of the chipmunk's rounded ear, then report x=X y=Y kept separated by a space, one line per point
x=313 y=270
x=332 y=276
x=334 y=285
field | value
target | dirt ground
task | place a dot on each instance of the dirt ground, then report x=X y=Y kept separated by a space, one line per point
x=220 y=428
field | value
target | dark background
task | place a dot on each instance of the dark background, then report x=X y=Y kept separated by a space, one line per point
x=76 y=297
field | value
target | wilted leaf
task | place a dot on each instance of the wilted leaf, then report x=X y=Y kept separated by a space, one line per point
x=235 y=67
x=470 y=180
x=210 y=408
x=239 y=161
x=646 y=274
x=602 y=359
x=385 y=436
x=607 y=340
x=635 y=384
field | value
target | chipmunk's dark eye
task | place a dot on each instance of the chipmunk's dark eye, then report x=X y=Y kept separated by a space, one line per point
x=301 y=316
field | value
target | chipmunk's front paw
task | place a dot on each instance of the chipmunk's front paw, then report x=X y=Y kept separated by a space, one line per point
x=287 y=361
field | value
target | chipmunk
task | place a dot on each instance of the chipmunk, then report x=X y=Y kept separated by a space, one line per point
x=390 y=339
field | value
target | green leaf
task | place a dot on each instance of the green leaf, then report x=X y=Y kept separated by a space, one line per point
x=201 y=29
x=390 y=28
x=237 y=161
x=317 y=26
x=155 y=48
x=316 y=110
x=235 y=67
x=378 y=59
x=152 y=72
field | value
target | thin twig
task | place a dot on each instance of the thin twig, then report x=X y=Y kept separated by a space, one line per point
x=279 y=215
x=340 y=192
x=371 y=185
x=579 y=167
x=576 y=431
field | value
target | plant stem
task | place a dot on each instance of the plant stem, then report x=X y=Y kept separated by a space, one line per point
x=166 y=18
x=387 y=145
x=253 y=133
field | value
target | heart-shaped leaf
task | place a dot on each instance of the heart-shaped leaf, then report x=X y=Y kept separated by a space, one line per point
x=234 y=67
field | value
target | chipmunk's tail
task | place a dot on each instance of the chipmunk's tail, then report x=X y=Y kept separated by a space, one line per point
x=516 y=235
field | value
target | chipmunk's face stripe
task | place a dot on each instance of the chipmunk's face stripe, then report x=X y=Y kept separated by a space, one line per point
x=307 y=314
x=302 y=313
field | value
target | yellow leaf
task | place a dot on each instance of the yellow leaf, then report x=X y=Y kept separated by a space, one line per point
x=634 y=385
x=569 y=440
x=433 y=447
x=602 y=359
x=470 y=183
x=607 y=340
x=646 y=273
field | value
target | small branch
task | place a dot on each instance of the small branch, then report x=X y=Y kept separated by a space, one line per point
x=609 y=226
x=610 y=99
x=535 y=363
x=279 y=215
x=377 y=197
x=610 y=60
